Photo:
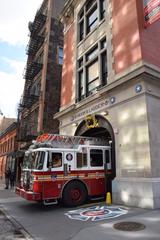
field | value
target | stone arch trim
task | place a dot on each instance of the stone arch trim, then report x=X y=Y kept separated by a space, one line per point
x=102 y=123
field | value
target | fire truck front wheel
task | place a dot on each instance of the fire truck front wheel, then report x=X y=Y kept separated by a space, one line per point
x=74 y=194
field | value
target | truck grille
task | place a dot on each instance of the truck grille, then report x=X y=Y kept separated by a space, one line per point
x=26 y=180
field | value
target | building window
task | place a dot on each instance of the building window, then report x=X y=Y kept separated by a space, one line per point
x=92 y=53
x=92 y=76
x=92 y=70
x=102 y=9
x=104 y=70
x=92 y=19
x=81 y=30
x=89 y=4
x=81 y=84
x=89 y=16
x=60 y=55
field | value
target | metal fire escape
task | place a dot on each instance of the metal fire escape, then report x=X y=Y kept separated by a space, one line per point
x=33 y=68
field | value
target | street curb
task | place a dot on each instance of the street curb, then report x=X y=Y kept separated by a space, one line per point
x=16 y=224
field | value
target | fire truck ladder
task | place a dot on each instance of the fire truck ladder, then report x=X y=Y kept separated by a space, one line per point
x=56 y=140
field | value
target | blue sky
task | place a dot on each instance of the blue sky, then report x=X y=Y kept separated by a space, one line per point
x=14 y=18
x=8 y=51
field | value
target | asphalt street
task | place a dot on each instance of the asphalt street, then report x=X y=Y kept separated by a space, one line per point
x=59 y=223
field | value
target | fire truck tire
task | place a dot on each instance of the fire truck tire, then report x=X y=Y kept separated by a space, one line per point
x=74 y=194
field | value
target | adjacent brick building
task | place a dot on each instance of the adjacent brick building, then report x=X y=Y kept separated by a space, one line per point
x=111 y=74
x=41 y=94
x=8 y=148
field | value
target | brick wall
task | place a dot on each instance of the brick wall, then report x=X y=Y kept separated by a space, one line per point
x=150 y=38
x=67 y=70
x=126 y=38
x=133 y=42
x=53 y=81
x=8 y=145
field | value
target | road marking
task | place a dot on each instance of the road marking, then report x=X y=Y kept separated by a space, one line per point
x=96 y=213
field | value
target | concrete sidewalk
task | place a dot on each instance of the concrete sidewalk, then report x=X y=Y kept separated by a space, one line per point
x=2 y=184
x=150 y=218
x=9 y=227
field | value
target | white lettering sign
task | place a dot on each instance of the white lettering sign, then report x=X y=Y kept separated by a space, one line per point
x=92 y=109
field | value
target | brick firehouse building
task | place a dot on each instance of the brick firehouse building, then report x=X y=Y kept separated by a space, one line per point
x=111 y=88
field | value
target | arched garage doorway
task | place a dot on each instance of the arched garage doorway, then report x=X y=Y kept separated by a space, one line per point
x=103 y=129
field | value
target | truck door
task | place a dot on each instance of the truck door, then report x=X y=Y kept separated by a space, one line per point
x=97 y=181
x=54 y=175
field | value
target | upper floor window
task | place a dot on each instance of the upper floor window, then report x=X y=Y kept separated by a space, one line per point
x=91 y=13
x=92 y=76
x=89 y=4
x=60 y=55
x=102 y=9
x=92 y=70
x=92 y=19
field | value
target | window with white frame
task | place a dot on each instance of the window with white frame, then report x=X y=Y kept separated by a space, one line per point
x=96 y=158
x=81 y=160
x=89 y=16
x=92 y=70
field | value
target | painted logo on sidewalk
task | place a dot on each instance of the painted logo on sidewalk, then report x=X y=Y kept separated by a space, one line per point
x=95 y=213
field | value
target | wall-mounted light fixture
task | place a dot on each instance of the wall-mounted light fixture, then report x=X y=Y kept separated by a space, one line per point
x=116 y=131
x=74 y=124
x=112 y=100
x=138 y=88
x=104 y=113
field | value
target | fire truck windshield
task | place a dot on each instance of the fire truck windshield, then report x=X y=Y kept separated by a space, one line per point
x=34 y=160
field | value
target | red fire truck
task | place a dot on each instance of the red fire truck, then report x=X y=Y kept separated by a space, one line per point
x=66 y=168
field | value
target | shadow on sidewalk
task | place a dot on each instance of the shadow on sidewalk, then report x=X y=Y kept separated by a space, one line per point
x=9 y=228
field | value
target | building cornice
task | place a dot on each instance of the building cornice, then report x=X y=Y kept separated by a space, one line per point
x=68 y=6
x=142 y=67
x=9 y=129
x=64 y=111
x=68 y=12
x=137 y=70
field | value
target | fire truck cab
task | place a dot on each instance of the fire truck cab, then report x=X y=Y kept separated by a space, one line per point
x=65 y=168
